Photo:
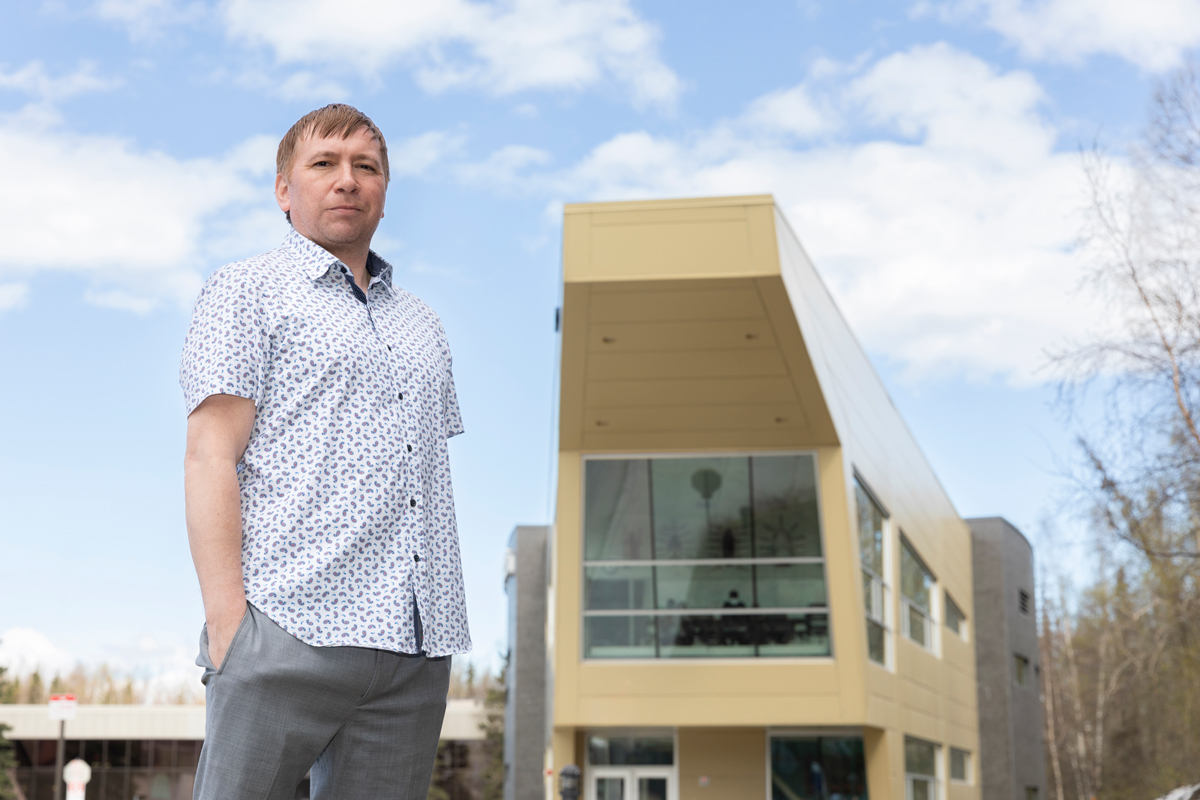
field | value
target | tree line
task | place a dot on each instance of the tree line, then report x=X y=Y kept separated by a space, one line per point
x=1120 y=657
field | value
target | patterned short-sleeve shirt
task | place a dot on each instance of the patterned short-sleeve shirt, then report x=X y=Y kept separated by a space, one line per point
x=347 y=509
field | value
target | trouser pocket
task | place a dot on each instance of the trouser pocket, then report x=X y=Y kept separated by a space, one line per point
x=205 y=660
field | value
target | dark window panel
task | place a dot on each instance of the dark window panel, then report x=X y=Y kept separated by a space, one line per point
x=93 y=753
x=618 y=637
x=164 y=754
x=618 y=588
x=617 y=513
x=188 y=754
x=786 y=523
x=701 y=507
x=118 y=753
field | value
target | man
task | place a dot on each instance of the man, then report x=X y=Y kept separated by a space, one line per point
x=319 y=506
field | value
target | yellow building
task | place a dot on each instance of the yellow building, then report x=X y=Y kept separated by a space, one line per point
x=756 y=585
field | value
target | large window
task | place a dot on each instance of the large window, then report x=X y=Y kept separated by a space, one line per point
x=703 y=557
x=916 y=596
x=872 y=539
x=920 y=769
x=817 y=768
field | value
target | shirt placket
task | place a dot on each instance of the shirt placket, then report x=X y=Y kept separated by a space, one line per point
x=411 y=514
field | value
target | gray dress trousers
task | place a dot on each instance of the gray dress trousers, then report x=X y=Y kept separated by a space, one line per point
x=365 y=721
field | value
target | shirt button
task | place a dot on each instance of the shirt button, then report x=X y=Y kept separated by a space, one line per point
x=412 y=503
x=416 y=557
x=410 y=448
x=401 y=395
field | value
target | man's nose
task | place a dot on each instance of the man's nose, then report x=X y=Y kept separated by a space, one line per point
x=347 y=181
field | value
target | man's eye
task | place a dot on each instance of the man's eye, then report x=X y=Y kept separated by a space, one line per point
x=366 y=167
x=321 y=164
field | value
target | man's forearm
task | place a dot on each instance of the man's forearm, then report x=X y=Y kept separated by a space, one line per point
x=214 y=523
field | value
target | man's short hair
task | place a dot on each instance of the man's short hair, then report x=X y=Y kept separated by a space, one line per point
x=335 y=119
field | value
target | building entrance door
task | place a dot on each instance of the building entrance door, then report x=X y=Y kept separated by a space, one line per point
x=637 y=783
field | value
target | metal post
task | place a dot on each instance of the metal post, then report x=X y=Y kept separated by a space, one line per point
x=568 y=782
x=58 y=760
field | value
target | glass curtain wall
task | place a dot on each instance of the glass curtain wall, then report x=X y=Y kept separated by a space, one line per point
x=817 y=768
x=872 y=523
x=703 y=557
x=916 y=596
x=121 y=770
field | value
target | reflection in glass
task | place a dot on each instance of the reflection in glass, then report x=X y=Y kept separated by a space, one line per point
x=652 y=789
x=785 y=507
x=743 y=635
x=705 y=587
x=915 y=579
x=876 y=648
x=790 y=585
x=701 y=507
x=625 y=751
x=618 y=588
x=916 y=626
x=618 y=637
x=610 y=789
x=870 y=531
x=920 y=758
x=617 y=515
x=955 y=618
x=818 y=768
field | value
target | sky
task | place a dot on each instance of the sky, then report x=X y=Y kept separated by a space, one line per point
x=925 y=152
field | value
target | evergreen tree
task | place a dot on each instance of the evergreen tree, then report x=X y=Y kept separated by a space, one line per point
x=8 y=764
x=493 y=743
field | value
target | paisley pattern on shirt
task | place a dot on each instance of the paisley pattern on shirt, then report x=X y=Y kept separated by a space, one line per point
x=347 y=508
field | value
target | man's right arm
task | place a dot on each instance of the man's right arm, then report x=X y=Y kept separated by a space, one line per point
x=217 y=433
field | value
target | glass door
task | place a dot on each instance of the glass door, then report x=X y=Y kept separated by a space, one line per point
x=607 y=783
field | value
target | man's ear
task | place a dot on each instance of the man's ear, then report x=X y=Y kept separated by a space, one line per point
x=281 y=194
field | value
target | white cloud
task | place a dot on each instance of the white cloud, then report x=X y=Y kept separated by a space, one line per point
x=417 y=154
x=24 y=650
x=504 y=165
x=1153 y=34
x=147 y=18
x=13 y=295
x=504 y=47
x=142 y=226
x=947 y=239
x=32 y=79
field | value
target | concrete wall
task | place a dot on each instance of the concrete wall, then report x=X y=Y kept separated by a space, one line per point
x=1010 y=716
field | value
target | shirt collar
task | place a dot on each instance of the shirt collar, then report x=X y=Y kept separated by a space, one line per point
x=314 y=261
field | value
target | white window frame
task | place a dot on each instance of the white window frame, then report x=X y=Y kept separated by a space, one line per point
x=933 y=643
x=823 y=559
x=936 y=781
x=632 y=772
x=879 y=586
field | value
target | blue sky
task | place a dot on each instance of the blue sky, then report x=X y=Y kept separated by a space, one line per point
x=925 y=153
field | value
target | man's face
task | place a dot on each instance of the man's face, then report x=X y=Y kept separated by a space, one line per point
x=336 y=190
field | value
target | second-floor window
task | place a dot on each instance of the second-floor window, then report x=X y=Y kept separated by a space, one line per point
x=712 y=557
x=872 y=538
x=916 y=595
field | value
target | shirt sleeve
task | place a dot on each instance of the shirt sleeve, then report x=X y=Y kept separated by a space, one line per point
x=225 y=351
x=451 y=415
